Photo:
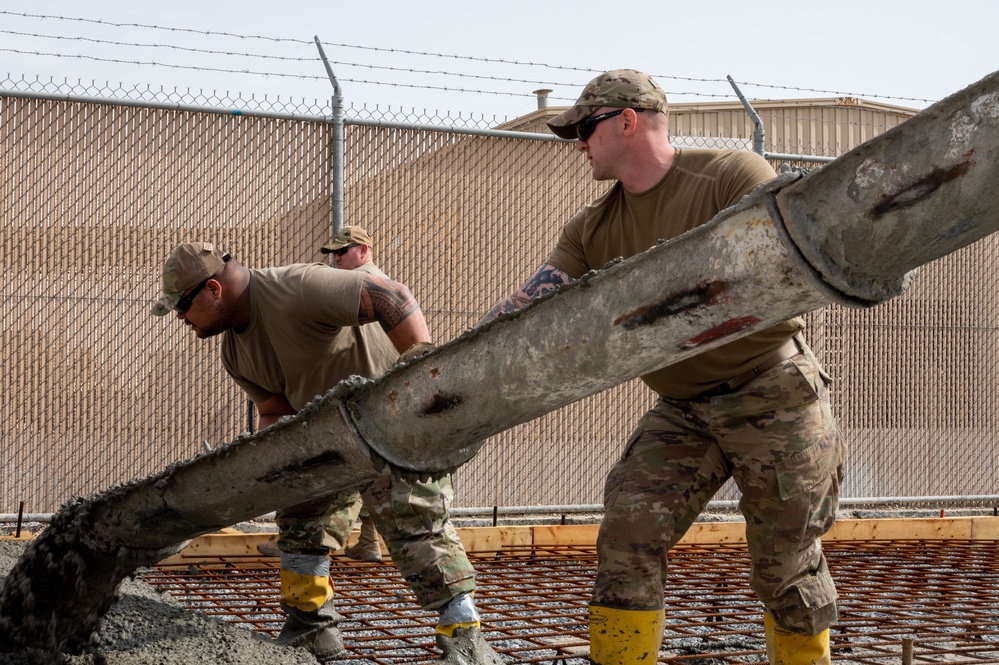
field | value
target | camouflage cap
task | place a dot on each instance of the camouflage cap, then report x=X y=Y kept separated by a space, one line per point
x=347 y=235
x=187 y=266
x=618 y=88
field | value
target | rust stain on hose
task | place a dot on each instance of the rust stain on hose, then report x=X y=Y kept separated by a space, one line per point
x=730 y=327
x=919 y=190
x=706 y=292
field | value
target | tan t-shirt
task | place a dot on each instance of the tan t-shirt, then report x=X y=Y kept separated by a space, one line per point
x=371 y=269
x=700 y=184
x=303 y=337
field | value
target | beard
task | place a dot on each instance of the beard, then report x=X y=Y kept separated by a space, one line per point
x=221 y=317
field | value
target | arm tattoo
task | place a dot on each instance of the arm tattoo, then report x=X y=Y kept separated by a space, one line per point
x=544 y=281
x=387 y=302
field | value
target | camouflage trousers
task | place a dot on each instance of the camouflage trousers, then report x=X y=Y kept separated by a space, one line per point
x=776 y=437
x=412 y=518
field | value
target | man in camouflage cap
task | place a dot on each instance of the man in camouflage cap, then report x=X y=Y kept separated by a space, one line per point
x=619 y=89
x=183 y=271
x=291 y=333
x=345 y=238
x=351 y=248
x=755 y=409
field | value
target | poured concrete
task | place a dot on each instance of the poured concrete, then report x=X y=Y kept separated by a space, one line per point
x=144 y=626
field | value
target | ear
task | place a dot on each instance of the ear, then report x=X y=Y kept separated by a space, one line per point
x=214 y=287
x=630 y=124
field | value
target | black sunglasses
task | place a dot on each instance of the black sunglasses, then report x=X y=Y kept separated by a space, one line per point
x=343 y=250
x=184 y=303
x=586 y=126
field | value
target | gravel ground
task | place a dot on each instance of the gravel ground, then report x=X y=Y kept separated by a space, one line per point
x=145 y=627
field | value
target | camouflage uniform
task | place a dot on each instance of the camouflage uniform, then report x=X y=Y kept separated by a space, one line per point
x=300 y=333
x=313 y=305
x=755 y=409
x=411 y=518
x=776 y=437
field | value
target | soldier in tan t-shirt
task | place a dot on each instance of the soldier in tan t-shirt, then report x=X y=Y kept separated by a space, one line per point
x=289 y=334
x=755 y=409
x=351 y=249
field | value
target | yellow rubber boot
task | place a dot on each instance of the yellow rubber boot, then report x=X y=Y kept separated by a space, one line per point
x=787 y=648
x=625 y=637
x=459 y=635
x=307 y=599
x=305 y=592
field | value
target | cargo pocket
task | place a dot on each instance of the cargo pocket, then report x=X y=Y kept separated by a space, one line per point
x=808 y=484
x=803 y=471
x=619 y=472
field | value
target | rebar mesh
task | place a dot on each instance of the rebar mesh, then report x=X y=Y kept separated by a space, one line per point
x=942 y=595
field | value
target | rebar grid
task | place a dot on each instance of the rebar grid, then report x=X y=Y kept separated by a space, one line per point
x=943 y=595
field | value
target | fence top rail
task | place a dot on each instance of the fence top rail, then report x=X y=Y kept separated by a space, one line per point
x=326 y=118
x=278 y=115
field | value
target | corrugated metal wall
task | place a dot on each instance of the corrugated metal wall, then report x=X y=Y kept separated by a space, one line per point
x=97 y=392
x=820 y=127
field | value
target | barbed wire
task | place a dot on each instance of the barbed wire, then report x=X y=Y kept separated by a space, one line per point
x=300 y=42
x=313 y=77
x=173 y=47
x=148 y=63
x=213 y=33
x=297 y=59
x=311 y=60
x=153 y=27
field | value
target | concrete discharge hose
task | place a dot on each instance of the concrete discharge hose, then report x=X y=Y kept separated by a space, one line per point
x=851 y=233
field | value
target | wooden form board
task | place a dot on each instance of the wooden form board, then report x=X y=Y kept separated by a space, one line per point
x=230 y=542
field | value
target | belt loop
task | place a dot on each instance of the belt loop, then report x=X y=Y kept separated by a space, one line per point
x=799 y=342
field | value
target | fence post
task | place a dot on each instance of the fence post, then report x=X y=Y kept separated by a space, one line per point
x=337 y=165
x=759 y=133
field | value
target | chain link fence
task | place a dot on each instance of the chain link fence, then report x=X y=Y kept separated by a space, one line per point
x=96 y=391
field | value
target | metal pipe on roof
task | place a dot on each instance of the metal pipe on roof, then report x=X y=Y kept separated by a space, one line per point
x=542 y=98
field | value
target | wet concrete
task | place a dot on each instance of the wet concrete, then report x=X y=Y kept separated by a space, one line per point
x=145 y=627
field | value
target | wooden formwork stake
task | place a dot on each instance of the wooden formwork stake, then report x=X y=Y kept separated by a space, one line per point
x=907 y=644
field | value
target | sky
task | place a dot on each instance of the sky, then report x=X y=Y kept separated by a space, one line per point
x=486 y=58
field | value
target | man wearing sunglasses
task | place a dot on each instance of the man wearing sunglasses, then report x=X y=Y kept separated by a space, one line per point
x=289 y=334
x=350 y=248
x=755 y=409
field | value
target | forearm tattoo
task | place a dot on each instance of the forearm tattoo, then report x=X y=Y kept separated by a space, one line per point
x=387 y=302
x=544 y=281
